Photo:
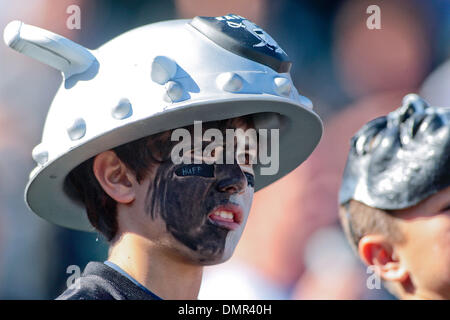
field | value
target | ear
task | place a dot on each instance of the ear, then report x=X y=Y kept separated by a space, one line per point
x=376 y=251
x=114 y=177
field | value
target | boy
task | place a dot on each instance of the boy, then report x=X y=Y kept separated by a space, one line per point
x=111 y=146
x=395 y=199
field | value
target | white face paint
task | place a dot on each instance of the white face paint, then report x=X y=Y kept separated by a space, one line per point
x=245 y=202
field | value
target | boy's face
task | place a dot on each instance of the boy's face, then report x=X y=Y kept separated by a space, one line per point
x=198 y=211
x=425 y=252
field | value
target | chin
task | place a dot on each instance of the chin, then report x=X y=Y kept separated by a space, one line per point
x=206 y=259
x=214 y=260
x=206 y=250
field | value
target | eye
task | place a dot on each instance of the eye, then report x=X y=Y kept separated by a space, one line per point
x=248 y=158
x=446 y=208
x=243 y=158
x=250 y=179
x=194 y=151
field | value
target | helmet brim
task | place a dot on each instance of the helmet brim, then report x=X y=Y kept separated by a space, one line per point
x=301 y=132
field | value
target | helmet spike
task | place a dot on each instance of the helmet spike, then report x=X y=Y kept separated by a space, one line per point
x=52 y=49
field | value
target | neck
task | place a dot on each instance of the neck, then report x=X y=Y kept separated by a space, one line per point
x=410 y=292
x=423 y=296
x=160 y=271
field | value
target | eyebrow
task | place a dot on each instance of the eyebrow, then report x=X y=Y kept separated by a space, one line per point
x=206 y=143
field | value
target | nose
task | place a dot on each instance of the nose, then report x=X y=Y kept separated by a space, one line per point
x=231 y=178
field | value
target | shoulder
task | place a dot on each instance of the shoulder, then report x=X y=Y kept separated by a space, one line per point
x=98 y=282
x=91 y=287
x=101 y=282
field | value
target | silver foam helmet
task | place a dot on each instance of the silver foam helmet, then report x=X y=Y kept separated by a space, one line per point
x=155 y=78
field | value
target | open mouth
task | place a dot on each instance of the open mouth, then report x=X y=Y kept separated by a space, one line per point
x=228 y=216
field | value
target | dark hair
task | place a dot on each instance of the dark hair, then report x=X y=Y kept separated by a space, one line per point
x=100 y=207
x=358 y=220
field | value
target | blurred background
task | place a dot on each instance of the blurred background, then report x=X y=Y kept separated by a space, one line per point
x=293 y=247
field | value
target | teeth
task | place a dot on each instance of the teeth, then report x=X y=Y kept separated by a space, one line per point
x=225 y=215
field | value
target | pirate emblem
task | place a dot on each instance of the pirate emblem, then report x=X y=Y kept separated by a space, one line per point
x=243 y=37
x=264 y=38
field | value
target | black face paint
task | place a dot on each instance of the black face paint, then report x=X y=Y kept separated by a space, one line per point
x=401 y=159
x=184 y=203
x=201 y=170
x=250 y=179
x=185 y=194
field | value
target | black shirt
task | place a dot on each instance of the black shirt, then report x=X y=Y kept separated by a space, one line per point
x=101 y=282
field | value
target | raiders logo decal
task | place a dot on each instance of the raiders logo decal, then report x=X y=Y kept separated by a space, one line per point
x=243 y=37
